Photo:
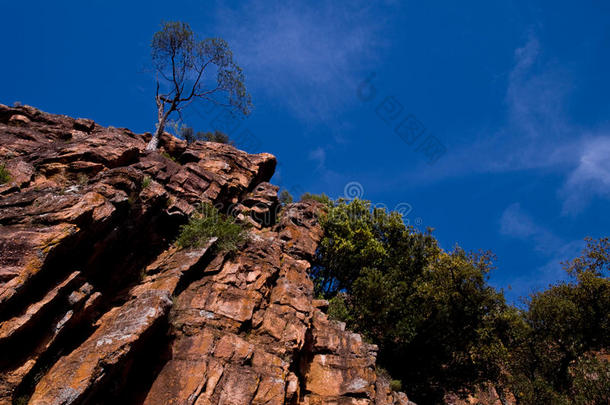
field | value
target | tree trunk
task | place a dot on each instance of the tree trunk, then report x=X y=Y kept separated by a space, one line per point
x=154 y=142
x=162 y=117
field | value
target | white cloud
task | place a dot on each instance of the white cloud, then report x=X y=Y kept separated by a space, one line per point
x=535 y=94
x=537 y=135
x=306 y=56
x=517 y=223
x=319 y=156
x=590 y=178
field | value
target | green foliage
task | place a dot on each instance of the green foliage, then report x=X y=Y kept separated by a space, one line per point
x=591 y=380
x=181 y=57
x=21 y=400
x=435 y=310
x=338 y=308
x=553 y=360
x=396 y=385
x=421 y=305
x=207 y=223
x=359 y=240
x=183 y=64
x=217 y=136
x=322 y=198
x=168 y=156
x=285 y=197
x=146 y=182
x=5 y=175
x=188 y=134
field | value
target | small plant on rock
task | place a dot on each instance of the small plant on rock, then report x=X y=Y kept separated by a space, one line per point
x=321 y=198
x=189 y=135
x=216 y=136
x=396 y=385
x=285 y=197
x=82 y=179
x=207 y=223
x=168 y=156
x=5 y=175
x=146 y=182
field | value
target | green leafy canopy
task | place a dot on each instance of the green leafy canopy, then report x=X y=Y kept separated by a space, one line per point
x=442 y=328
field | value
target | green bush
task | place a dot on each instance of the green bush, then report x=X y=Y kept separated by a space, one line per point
x=216 y=136
x=321 y=198
x=21 y=400
x=552 y=359
x=396 y=385
x=591 y=380
x=188 y=134
x=419 y=304
x=207 y=223
x=5 y=176
x=146 y=182
x=285 y=197
x=337 y=308
x=435 y=309
x=168 y=156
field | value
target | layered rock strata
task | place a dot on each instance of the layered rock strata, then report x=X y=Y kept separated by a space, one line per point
x=97 y=305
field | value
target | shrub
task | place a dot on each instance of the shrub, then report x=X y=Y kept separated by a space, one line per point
x=216 y=136
x=207 y=223
x=337 y=308
x=285 y=197
x=146 y=182
x=552 y=361
x=418 y=303
x=188 y=134
x=396 y=385
x=433 y=308
x=321 y=198
x=5 y=175
x=168 y=156
x=591 y=380
x=21 y=400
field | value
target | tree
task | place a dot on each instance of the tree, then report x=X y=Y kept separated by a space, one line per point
x=566 y=329
x=422 y=306
x=441 y=328
x=285 y=197
x=181 y=62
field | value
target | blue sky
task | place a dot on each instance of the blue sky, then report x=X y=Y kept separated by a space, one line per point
x=517 y=94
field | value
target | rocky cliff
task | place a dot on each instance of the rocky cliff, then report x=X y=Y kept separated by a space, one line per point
x=98 y=306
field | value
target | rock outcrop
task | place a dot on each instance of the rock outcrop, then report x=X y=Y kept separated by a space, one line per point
x=97 y=305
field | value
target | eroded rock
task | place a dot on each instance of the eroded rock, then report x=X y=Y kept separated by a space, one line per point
x=98 y=306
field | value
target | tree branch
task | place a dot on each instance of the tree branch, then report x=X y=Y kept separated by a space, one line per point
x=196 y=84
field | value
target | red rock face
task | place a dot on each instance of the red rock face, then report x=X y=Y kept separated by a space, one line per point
x=98 y=306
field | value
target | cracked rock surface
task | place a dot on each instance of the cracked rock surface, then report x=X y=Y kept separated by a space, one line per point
x=98 y=306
